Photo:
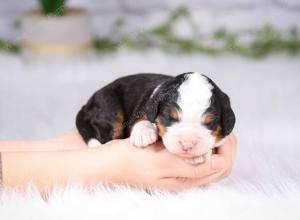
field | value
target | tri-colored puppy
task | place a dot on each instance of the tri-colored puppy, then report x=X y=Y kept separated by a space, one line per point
x=189 y=113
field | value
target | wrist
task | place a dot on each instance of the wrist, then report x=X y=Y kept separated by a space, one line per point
x=108 y=163
x=121 y=163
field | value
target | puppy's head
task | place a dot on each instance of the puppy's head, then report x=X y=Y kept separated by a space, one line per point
x=191 y=113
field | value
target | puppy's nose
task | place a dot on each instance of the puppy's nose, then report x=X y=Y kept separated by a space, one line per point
x=187 y=145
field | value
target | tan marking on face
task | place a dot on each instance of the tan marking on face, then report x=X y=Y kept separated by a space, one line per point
x=208 y=118
x=174 y=113
x=217 y=133
x=118 y=125
x=161 y=128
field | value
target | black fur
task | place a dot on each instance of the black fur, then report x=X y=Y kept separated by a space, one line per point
x=131 y=95
x=221 y=109
x=95 y=119
x=164 y=98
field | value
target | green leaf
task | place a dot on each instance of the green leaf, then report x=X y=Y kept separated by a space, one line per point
x=8 y=46
x=53 y=7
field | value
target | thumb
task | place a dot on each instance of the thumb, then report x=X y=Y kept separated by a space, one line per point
x=217 y=162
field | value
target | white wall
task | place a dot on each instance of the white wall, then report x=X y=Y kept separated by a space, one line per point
x=209 y=14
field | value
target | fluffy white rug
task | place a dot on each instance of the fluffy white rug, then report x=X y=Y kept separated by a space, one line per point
x=239 y=201
x=265 y=183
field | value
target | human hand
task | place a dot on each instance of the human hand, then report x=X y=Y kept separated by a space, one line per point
x=115 y=162
x=156 y=167
x=222 y=161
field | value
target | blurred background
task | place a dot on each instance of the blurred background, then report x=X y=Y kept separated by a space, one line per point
x=140 y=15
x=54 y=54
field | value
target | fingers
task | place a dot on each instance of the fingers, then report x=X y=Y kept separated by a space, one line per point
x=175 y=184
x=211 y=171
x=225 y=149
x=234 y=143
x=217 y=162
x=210 y=178
x=181 y=184
x=222 y=161
x=228 y=150
x=173 y=166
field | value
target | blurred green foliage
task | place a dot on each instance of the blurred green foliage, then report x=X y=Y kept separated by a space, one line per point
x=264 y=41
x=53 y=7
x=105 y=45
x=256 y=43
x=8 y=46
x=259 y=43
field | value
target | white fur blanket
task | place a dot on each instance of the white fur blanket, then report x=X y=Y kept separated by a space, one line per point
x=265 y=183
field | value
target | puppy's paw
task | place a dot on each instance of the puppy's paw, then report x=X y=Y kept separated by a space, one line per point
x=143 y=134
x=93 y=143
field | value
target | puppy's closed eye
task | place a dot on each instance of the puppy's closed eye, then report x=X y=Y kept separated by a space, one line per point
x=211 y=121
x=173 y=114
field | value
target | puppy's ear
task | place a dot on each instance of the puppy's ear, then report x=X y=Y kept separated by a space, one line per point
x=152 y=106
x=227 y=114
x=165 y=92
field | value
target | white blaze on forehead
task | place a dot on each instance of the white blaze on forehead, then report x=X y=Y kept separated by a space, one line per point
x=194 y=96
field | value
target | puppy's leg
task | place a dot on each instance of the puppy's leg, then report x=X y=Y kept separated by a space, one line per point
x=93 y=142
x=100 y=120
x=143 y=134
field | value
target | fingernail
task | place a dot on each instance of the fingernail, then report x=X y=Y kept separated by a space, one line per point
x=217 y=162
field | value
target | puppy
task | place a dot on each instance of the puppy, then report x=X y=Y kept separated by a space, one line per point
x=189 y=113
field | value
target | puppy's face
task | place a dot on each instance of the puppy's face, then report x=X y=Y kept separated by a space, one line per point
x=192 y=114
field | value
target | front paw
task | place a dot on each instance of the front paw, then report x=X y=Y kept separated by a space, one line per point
x=143 y=134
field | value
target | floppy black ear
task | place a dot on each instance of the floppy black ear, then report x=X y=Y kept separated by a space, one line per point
x=166 y=91
x=163 y=93
x=227 y=114
x=152 y=106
